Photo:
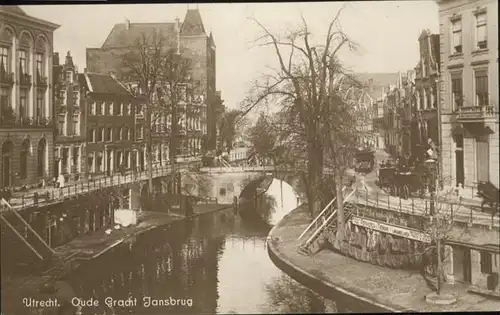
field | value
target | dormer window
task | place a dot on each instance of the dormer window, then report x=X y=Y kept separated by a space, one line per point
x=69 y=76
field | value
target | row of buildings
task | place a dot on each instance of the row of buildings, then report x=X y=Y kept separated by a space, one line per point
x=56 y=120
x=450 y=100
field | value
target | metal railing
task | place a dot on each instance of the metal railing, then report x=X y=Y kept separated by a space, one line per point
x=325 y=223
x=458 y=211
x=314 y=222
x=53 y=194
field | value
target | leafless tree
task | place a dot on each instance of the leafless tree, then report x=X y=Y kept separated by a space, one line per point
x=159 y=73
x=310 y=88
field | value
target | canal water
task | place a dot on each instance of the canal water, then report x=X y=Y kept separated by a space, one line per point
x=215 y=263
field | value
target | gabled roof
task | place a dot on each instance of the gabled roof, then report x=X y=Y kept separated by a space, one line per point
x=13 y=9
x=120 y=36
x=192 y=25
x=103 y=84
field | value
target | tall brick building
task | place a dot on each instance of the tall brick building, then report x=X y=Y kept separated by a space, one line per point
x=69 y=108
x=26 y=113
x=192 y=42
x=110 y=124
x=425 y=122
x=469 y=92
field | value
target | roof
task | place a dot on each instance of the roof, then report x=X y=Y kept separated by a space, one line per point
x=13 y=9
x=120 y=36
x=380 y=81
x=192 y=25
x=103 y=84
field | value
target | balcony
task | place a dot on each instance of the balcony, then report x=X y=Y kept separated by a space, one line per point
x=41 y=81
x=25 y=79
x=27 y=122
x=475 y=114
x=6 y=78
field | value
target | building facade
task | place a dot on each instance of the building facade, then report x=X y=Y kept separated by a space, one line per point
x=425 y=122
x=26 y=112
x=69 y=109
x=469 y=93
x=192 y=42
x=110 y=124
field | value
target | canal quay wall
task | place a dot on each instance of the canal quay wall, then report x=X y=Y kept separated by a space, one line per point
x=82 y=250
x=359 y=286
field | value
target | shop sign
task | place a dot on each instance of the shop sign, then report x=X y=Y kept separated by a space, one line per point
x=391 y=229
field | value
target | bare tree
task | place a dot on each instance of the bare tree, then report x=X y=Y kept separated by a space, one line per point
x=306 y=88
x=159 y=73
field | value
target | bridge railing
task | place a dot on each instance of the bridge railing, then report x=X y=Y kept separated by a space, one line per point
x=47 y=195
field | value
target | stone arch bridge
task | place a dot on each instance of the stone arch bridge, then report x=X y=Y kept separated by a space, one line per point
x=225 y=183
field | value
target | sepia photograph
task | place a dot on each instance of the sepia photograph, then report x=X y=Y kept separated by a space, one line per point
x=249 y=158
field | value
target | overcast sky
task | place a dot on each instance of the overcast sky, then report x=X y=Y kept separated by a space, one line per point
x=386 y=30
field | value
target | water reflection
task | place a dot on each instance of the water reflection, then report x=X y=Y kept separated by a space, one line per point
x=218 y=261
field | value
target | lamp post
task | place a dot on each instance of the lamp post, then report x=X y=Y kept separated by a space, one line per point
x=431 y=166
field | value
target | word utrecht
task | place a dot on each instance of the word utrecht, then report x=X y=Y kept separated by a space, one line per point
x=392 y=229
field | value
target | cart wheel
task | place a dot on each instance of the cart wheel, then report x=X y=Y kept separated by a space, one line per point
x=393 y=190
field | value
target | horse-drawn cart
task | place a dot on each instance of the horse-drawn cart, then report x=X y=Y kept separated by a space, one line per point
x=365 y=160
x=401 y=181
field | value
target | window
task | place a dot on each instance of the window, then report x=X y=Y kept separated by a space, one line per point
x=122 y=134
x=4 y=59
x=24 y=159
x=457 y=91
x=22 y=103
x=61 y=124
x=6 y=112
x=63 y=97
x=456 y=30
x=481 y=83
x=76 y=124
x=139 y=131
x=65 y=160
x=481 y=32
x=127 y=159
x=125 y=134
x=91 y=135
x=109 y=134
x=428 y=102
x=23 y=62
x=39 y=65
x=93 y=108
x=118 y=133
x=129 y=109
x=39 y=105
x=76 y=98
x=110 y=108
x=90 y=162
x=100 y=134
x=69 y=76
x=486 y=266
x=75 y=156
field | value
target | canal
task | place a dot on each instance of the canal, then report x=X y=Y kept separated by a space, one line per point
x=215 y=263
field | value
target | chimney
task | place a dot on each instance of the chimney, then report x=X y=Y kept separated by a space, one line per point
x=55 y=59
x=127 y=24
